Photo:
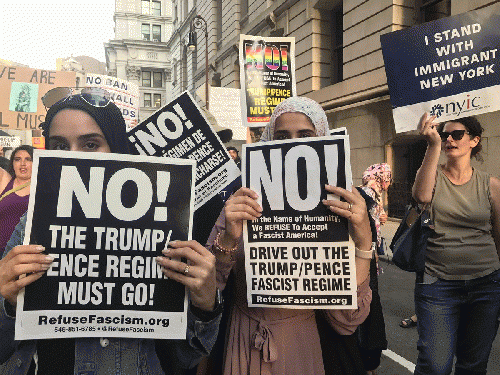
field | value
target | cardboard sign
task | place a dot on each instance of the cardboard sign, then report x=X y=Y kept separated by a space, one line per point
x=298 y=254
x=448 y=67
x=179 y=130
x=104 y=218
x=21 y=91
x=267 y=75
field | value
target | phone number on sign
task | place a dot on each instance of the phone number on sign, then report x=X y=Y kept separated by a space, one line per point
x=103 y=329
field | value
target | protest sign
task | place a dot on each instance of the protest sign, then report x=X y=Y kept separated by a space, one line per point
x=179 y=130
x=21 y=91
x=104 y=218
x=123 y=93
x=448 y=67
x=267 y=75
x=11 y=142
x=298 y=254
x=226 y=108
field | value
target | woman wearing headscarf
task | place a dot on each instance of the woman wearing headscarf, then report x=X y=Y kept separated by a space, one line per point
x=14 y=191
x=371 y=333
x=94 y=124
x=284 y=341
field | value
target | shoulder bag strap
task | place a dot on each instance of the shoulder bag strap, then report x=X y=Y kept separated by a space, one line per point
x=13 y=190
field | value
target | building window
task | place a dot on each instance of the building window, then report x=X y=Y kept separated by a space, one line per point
x=151 y=7
x=219 y=20
x=156 y=33
x=174 y=81
x=146 y=79
x=157 y=100
x=431 y=10
x=243 y=9
x=184 y=77
x=337 y=35
x=147 y=100
x=145 y=30
x=156 y=8
x=157 y=79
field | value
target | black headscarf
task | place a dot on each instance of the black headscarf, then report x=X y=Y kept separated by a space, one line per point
x=109 y=119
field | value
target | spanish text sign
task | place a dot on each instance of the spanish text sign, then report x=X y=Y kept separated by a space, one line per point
x=298 y=253
x=448 y=67
x=104 y=218
x=179 y=130
x=267 y=73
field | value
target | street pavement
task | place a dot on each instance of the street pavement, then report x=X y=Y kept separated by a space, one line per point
x=396 y=294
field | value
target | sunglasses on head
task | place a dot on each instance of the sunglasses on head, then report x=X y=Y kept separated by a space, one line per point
x=95 y=96
x=455 y=134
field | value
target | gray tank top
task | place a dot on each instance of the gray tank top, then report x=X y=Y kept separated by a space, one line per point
x=462 y=246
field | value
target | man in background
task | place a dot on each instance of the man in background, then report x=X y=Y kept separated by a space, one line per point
x=233 y=152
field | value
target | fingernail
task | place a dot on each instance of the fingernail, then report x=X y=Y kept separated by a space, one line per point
x=49 y=258
x=166 y=250
x=40 y=248
x=45 y=267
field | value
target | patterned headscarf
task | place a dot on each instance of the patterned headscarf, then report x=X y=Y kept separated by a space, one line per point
x=307 y=106
x=376 y=172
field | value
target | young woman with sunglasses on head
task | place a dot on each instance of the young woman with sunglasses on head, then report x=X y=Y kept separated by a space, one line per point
x=457 y=299
x=93 y=124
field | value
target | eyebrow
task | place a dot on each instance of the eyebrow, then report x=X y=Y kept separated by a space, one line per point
x=80 y=138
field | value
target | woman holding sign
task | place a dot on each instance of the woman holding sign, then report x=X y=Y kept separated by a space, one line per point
x=286 y=341
x=457 y=299
x=90 y=122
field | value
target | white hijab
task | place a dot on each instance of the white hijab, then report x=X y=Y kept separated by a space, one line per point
x=304 y=105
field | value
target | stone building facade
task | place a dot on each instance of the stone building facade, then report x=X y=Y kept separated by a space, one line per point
x=338 y=63
x=139 y=52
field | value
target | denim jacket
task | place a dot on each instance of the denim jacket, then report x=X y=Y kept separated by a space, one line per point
x=96 y=356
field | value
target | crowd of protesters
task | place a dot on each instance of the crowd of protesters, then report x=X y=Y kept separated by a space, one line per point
x=457 y=298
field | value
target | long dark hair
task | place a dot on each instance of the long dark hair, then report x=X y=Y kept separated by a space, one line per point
x=27 y=148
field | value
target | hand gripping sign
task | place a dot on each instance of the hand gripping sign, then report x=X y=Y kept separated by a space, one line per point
x=104 y=218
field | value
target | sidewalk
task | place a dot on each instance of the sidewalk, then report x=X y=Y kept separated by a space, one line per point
x=387 y=230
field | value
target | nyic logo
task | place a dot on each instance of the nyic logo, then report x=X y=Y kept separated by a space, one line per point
x=456 y=108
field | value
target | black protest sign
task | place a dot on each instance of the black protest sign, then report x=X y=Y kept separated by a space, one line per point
x=298 y=253
x=104 y=218
x=179 y=130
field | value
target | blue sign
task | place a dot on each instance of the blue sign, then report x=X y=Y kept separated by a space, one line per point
x=444 y=67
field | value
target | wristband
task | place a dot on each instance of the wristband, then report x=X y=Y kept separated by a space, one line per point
x=365 y=254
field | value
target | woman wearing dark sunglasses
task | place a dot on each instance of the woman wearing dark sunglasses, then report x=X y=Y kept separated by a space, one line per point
x=78 y=123
x=457 y=299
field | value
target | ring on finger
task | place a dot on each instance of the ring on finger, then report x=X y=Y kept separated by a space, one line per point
x=349 y=207
x=186 y=269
